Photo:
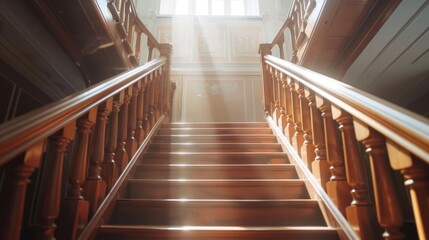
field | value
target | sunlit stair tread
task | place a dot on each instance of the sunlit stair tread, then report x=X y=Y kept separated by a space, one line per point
x=133 y=232
x=217 y=189
x=199 y=131
x=218 y=212
x=215 y=125
x=215 y=171
x=215 y=138
x=215 y=157
x=218 y=147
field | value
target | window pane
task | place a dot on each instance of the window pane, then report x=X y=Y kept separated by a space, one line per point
x=165 y=7
x=237 y=7
x=182 y=7
x=218 y=7
x=253 y=7
x=202 y=7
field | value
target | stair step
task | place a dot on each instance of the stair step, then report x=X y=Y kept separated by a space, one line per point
x=215 y=171
x=215 y=158
x=128 y=232
x=218 y=212
x=219 y=147
x=216 y=189
x=220 y=138
x=216 y=125
x=199 y=131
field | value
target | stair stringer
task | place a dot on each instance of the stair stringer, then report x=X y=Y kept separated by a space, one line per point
x=331 y=213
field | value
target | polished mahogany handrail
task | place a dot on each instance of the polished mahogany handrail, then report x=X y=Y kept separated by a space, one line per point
x=21 y=133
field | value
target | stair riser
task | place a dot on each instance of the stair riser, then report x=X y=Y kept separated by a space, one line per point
x=155 y=234
x=216 y=125
x=216 y=190
x=199 y=131
x=189 y=214
x=197 y=158
x=214 y=139
x=213 y=148
x=146 y=172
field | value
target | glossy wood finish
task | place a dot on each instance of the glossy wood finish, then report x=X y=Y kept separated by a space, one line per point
x=228 y=181
x=327 y=36
x=87 y=164
x=394 y=139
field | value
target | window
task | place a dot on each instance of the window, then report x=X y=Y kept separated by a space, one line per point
x=209 y=7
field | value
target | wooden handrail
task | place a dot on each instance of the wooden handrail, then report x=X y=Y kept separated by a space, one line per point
x=29 y=129
x=407 y=128
x=394 y=139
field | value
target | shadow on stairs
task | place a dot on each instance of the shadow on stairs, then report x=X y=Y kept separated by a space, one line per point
x=215 y=181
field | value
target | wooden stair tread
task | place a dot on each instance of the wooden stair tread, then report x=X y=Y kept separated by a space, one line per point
x=215 y=124
x=218 y=147
x=199 y=131
x=132 y=232
x=215 y=138
x=215 y=212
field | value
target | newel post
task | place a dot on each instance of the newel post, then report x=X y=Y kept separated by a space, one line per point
x=265 y=49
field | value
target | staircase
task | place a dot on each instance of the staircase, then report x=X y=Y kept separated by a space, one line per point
x=215 y=181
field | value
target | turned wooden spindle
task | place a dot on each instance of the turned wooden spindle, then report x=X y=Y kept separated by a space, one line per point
x=110 y=167
x=95 y=186
x=386 y=200
x=152 y=110
x=361 y=212
x=14 y=190
x=140 y=133
x=298 y=136
x=51 y=184
x=289 y=130
x=416 y=176
x=121 y=156
x=320 y=166
x=265 y=49
x=75 y=208
x=156 y=106
x=282 y=118
x=307 y=150
x=276 y=89
x=131 y=144
x=146 y=110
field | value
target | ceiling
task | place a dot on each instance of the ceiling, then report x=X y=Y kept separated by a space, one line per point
x=395 y=64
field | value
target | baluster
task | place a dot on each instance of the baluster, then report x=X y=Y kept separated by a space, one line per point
x=166 y=51
x=152 y=101
x=281 y=122
x=320 y=166
x=95 y=186
x=265 y=49
x=138 y=45
x=156 y=96
x=276 y=89
x=150 y=50
x=289 y=129
x=337 y=185
x=416 y=175
x=298 y=137
x=386 y=201
x=360 y=213
x=14 y=191
x=307 y=149
x=131 y=144
x=121 y=156
x=146 y=111
x=51 y=182
x=75 y=209
x=110 y=167
x=140 y=133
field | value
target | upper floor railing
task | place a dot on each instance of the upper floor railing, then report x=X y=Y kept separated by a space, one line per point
x=77 y=151
x=132 y=31
x=331 y=125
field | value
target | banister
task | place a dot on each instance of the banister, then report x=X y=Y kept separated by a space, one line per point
x=18 y=135
x=408 y=129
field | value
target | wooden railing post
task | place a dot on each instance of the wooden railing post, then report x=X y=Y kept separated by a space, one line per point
x=52 y=180
x=14 y=192
x=140 y=133
x=307 y=149
x=110 y=167
x=416 y=175
x=131 y=144
x=121 y=156
x=281 y=121
x=265 y=49
x=298 y=136
x=320 y=166
x=289 y=130
x=166 y=49
x=360 y=213
x=75 y=208
x=337 y=185
x=386 y=200
x=146 y=110
x=95 y=186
